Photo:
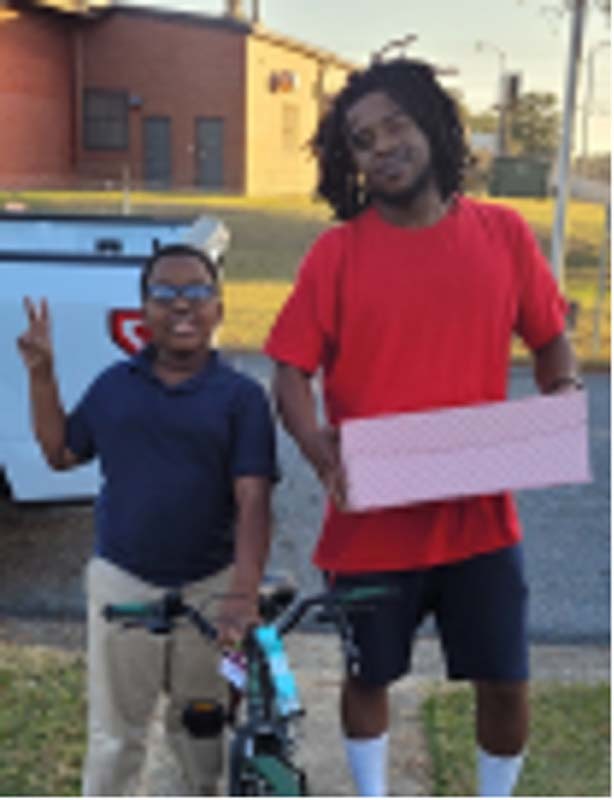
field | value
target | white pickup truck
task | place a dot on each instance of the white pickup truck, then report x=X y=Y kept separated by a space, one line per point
x=88 y=268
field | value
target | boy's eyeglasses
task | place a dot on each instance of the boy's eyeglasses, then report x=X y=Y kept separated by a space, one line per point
x=194 y=292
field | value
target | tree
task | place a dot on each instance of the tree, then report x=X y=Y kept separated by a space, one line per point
x=563 y=5
x=596 y=167
x=461 y=105
x=483 y=122
x=605 y=6
x=534 y=124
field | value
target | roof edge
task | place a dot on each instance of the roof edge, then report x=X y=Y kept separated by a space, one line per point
x=61 y=8
x=99 y=9
x=193 y=18
x=260 y=32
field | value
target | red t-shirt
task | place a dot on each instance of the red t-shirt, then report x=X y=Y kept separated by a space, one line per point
x=403 y=319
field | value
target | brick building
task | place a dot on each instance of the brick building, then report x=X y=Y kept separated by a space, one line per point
x=91 y=91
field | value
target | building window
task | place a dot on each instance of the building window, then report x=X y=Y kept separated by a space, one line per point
x=290 y=124
x=105 y=120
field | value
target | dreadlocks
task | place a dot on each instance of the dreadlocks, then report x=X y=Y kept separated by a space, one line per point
x=413 y=87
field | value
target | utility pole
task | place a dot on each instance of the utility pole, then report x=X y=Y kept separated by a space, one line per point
x=480 y=46
x=588 y=98
x=579 y=8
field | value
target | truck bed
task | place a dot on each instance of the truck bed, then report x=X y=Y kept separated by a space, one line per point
x=88 y=268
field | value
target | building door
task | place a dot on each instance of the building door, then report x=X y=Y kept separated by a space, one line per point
x=157 y=167
x=210 y=153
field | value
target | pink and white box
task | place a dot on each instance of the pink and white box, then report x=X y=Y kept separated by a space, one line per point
x=402 y=459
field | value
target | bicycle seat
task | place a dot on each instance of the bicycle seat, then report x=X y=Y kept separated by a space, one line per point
x=275 y=593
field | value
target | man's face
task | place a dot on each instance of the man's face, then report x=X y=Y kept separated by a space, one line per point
x=181 y=324
x=389 y=148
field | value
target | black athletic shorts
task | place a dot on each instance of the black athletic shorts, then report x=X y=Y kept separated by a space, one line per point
x=480 y=609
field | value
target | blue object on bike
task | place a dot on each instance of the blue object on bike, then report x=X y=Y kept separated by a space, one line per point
x=281 y=675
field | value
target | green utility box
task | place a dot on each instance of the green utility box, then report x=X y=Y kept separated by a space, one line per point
x=513 y=176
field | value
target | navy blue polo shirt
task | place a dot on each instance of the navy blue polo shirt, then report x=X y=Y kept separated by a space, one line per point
x=169 y=457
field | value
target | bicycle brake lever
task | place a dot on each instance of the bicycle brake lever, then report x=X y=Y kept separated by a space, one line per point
x=170 y=606
x=158 y=626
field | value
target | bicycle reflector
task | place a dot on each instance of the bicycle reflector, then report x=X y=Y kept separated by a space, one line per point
x=204 y=719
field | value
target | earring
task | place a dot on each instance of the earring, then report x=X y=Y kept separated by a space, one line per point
x=361 y=188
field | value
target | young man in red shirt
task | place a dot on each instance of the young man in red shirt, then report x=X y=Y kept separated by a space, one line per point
x=408 y=305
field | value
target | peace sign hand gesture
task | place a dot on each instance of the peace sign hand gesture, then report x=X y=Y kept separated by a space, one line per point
x=35 y=343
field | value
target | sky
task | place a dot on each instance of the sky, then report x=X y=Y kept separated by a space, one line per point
x=532 y=35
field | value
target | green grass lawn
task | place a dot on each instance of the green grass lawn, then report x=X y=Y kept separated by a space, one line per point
x=42 y=732
x=270 y=236
x=42 y=722
x=288 y=224
x=569 y=749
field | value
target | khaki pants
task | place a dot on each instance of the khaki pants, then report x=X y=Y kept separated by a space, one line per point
x=128 y=669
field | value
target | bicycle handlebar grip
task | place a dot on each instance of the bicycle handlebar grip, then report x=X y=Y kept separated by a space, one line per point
x=126 y=611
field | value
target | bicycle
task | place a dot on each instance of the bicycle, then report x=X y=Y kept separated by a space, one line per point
x=263 y=744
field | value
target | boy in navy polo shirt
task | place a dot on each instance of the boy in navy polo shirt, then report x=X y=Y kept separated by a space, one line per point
x=187 y=453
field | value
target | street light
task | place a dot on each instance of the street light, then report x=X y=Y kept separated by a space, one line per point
x=480 y=46
x=399 y=44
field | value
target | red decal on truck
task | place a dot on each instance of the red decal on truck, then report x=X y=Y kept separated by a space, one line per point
x=128 y=330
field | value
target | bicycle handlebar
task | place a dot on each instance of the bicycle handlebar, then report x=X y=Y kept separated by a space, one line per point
x=332 y=601
x=158 y=615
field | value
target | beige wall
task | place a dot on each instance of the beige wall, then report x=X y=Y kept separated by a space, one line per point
x=277 y=162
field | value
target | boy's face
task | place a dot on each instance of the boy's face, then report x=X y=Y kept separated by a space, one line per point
x=388 y=148
x=178 y=323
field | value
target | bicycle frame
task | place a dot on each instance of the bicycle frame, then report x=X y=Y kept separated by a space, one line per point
x=262 y=747
x=264 y=744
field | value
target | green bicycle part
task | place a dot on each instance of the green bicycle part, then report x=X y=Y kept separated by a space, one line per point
x=283 y=779
x=132 y=609
x=362 y=593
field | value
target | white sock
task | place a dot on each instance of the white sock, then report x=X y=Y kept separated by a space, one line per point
x=368 y=763
x=497 y=775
